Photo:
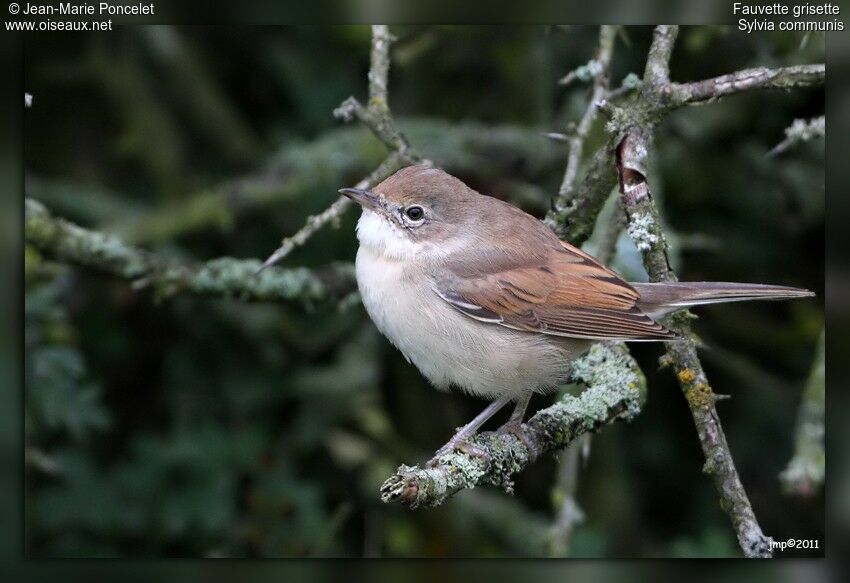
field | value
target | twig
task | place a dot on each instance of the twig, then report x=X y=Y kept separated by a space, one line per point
x=574 y=211
x=225 y=276
x=590 y=71
x=708 y=90
x=629 y=83
x=568 y=513
x=609 y=233
x=392 y=163
x=645 y=229
x=615 y=390
x=798 y=132
x=805 y=472
x=376 y=115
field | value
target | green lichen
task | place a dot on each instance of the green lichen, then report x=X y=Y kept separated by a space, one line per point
x=643 y=230
x=239 y=278
x=631 y=81
x=224 y=276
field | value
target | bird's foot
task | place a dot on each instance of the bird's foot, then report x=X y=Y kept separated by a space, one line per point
x=464 y=446
x=514 y=427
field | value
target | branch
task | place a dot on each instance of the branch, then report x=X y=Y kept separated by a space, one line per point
x=657 y=70
x=615 y=390
x=709 y=90
x=225 y=276
x=574 y=212
x=805 y=472
x=331 y=214
x=295 y=172
x=378 y=118
x=798 y=132
x=377 y=115
x=568 y=513
x=645 y=229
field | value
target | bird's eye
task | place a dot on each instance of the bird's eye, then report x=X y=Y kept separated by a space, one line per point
x=414 y=213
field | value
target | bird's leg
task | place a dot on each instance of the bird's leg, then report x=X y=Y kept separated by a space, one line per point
x=458 y=439
x=519 y=411
x=514 y=424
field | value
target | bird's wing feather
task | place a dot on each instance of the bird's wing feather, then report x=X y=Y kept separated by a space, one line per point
x=565 y=292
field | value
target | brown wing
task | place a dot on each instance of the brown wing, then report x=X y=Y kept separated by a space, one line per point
x=566 y=293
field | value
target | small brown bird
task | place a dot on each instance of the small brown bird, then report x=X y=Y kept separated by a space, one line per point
x=481 y=296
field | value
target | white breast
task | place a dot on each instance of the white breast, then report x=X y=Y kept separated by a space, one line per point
x=447 y=347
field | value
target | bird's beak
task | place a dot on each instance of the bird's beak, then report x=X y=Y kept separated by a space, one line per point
x=365 y=198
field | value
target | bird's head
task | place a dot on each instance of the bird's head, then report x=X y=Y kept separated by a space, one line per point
x=419 y=210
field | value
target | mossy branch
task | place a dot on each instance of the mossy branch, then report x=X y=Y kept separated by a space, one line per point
x=225 y=276
x=805 y=472
x=615 y=390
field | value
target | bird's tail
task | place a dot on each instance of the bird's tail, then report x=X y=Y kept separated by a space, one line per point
x=657 y=299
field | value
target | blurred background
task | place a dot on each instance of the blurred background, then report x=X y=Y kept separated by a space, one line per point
x=196 y=427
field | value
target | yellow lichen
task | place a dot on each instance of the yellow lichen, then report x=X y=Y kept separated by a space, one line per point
x=700 y=396
x=686 y=375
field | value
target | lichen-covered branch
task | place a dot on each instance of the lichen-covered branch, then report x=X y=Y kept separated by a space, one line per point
x=656 y=73
x=800 y=131
x=615 y=390
x=225 y=276
x=574 y=210
x=805 y=472
x=376 y=115
x=708 y=90
x=645 y=229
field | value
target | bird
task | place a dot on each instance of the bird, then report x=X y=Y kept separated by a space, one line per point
x=482 y=297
